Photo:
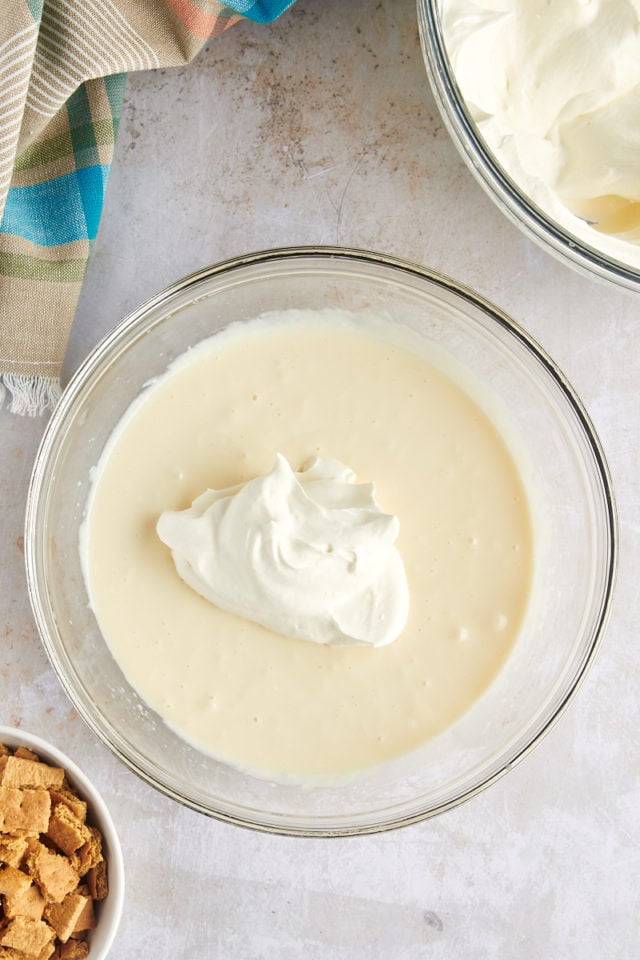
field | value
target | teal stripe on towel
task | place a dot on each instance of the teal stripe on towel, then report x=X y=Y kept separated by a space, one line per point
x=57 y=211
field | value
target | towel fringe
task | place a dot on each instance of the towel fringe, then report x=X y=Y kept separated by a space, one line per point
x=29 y=396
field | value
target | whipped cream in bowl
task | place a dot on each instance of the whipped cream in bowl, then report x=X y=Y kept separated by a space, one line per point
x=543 y=101
x=308 y=554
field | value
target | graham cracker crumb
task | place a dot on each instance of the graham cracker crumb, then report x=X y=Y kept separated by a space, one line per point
x=24 y=809
x=48 y=952
x=53 y=873
x=13 y=882
x=12 y=850
x=66 y=796
x=86 y=919
x=20 y=772
x=90 y=853
x=66 y=830
x=25 y=753
x=63 y=917
x=74 y=950
x=31 y=903
x=28 y=936
x=98 y=881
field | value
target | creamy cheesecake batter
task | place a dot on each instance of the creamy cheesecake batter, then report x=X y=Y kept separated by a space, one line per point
x=309 y=384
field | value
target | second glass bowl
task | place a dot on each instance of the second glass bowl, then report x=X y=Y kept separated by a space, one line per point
x=508 y=196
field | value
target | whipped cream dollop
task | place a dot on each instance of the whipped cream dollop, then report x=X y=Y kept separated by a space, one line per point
x=308 y=554
x=554 y=87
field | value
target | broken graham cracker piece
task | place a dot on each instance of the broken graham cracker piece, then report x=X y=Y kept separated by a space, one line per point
x=68 y=797
x=25 y=753
x=30 y=937
x=74 y=950
x=31 y=903
x=27 y=809
x=89 y=854
x=48 y=952
x=12 y=849
x=66 y=830
x=63 y=917
x=8 y=953
x=20 y=772
x=13 y=882
x=98 y=881
x=87 y=918
x=53 y=872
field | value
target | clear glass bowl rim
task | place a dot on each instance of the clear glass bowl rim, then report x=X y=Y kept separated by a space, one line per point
x=323 y=254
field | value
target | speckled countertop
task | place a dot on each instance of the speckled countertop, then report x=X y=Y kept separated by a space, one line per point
x=322 y=129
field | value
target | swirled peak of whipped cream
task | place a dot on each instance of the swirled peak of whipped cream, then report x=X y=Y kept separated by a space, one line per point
x=307 y=554
x=554 y=87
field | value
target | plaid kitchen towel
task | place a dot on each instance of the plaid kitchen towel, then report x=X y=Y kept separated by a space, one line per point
x=63 y=65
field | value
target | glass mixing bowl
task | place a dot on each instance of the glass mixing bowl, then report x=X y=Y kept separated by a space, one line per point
x=510 y=198
x=565 y=474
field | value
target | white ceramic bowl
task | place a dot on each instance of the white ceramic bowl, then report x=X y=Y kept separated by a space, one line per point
x=509 y=196
x=576 y=563
x=109 y=910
